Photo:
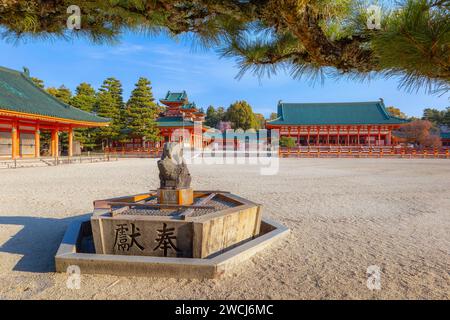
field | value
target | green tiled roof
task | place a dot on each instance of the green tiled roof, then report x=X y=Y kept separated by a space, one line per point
x=18 y=93
x=190 y=105
x=174 y=122
x=175 y=96
x=334 y=114
x=445 y=135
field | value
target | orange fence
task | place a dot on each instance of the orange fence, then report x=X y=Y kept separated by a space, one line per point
x=134 y=152
x=312 y=152
x=363 y=152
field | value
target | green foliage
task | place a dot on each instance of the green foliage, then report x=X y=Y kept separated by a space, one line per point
x=110 y=105
x=273 y=116
x=446 y=120
x=241 y=116
x=437 y=117
x=287 y=142
x=142 y=111
x=38 y=82
x=85 y=98
x=213 y=116
x=415 y=44
x=260 y=121
x=62 y=93
x=309 y=37
x=396 y=112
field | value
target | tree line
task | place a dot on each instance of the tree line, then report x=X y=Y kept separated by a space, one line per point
x=136 y=118
x=239 y=114
x=133 y=118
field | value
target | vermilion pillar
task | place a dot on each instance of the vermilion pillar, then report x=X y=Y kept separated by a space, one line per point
x=55 y=142
x=309 y=129
x=348 y=136
x=328 y=135
x=37 y=142
x=379 y=135
x=338 y=136
x=359 y=129
x=14 y=147
x=70 y=141
x=318 y=136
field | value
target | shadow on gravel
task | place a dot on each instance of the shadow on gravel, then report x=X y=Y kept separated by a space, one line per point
x=37 y=241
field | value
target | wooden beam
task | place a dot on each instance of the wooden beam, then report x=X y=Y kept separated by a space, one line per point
x=190 y=211
x=157 y=205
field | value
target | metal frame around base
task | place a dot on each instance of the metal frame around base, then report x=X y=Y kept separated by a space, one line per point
x=122 y=265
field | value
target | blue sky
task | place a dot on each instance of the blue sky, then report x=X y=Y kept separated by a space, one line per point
x=208 y=79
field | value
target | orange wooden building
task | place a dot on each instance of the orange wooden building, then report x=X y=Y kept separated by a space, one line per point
x=180 y=115
x=336 y=124
x=26 y=110
x=176 y=123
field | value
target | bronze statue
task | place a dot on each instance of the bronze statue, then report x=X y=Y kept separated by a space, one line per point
x=173 y=171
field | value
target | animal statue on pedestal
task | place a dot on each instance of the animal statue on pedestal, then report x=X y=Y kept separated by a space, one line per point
x=173 y=171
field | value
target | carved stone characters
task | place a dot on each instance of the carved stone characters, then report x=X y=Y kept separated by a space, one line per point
x=173 y=171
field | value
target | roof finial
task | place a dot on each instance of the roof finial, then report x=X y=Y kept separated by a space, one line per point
x=26 y=71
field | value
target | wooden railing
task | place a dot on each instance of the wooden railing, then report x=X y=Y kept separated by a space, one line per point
x=313 y=152
x=7 y=163
x=134 y=152
x=363 y=152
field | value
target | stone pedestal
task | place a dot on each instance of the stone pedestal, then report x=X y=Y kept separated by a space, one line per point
x=176 y=196
x=130 y=227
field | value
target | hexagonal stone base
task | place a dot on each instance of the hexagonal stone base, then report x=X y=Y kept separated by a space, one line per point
x=77 y=249
x=215 y=222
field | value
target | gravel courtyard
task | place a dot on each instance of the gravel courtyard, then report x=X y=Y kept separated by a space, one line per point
x=345 y=215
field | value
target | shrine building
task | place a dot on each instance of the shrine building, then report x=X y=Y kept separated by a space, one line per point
x=180 y=116
x=175 y=124
x=27 y=110
x=336 y=124
x=445 y=138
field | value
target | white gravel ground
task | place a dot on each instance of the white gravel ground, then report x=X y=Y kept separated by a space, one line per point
x=345 y=215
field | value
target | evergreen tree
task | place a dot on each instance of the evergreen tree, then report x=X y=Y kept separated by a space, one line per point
x=211 y=117
x=446 y=120
x=221 y=114
x=434 y=116
x=85 y=99
x=110 y=105
x=241 y=116
x=62 y=93
x=141 y=112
